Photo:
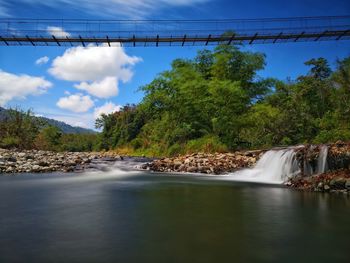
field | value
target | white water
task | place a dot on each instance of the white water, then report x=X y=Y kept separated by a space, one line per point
x=322 y=160
x=274 y=167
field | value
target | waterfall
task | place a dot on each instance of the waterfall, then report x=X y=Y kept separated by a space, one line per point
x=322 y=160
x=275 y=166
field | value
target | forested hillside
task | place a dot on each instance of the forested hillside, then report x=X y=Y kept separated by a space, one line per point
x=218 y=102
x=23 y=130
x=64 y=127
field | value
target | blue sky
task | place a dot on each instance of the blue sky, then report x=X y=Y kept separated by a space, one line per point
x=57 y=89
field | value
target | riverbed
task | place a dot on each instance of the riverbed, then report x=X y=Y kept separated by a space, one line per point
x=137 y=216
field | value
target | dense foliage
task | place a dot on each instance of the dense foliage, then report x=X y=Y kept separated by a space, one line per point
x=217 y=102
x=214 y=102
x=19 y=129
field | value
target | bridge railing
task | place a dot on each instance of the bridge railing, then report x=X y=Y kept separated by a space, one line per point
x=171 y=32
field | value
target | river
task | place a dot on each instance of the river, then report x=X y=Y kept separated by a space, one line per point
x=127 y=216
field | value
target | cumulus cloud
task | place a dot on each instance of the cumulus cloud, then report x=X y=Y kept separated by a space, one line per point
x=107 y=87
x=99 y=69
x=57 y=31
x=93 y=63
x=42 y=60
x=14 y=86
x=107 y=108
x=76 y=103
x=122 y=8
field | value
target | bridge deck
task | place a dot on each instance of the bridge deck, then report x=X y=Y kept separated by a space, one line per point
x=48 y=32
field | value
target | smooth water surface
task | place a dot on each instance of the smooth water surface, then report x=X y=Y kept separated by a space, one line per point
x=142 y=217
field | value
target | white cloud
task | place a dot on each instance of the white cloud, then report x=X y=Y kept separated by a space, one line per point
x=57 y=31
x=75 y=103
x=42 y=60
x=20 y=86
x=98 y=68
x=107 y=87
x=93 y=64
x=122 y=8
x=107 y=108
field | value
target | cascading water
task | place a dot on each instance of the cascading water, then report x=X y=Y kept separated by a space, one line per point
x=322 y=160
x=275 y=167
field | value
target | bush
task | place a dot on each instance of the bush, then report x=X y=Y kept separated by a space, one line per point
x=136 y=143
x=175 y=149
x=332 y=136
x=10 y=142
x=205 y=144
x=48 y=139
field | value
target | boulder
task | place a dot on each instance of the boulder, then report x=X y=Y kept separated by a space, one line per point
x=337 y=183
x=11 y=159
x=192 y=169
x=36 y=168
x=43 y=163
x=347 y=184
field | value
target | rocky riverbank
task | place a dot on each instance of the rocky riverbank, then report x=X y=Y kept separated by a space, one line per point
x=333 y=181
x=216 y=163
x=335 y=178
x=33 y=161
x=321 y=168
x=305 y=160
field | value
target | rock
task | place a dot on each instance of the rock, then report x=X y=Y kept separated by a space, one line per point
x=288 y=183
x=320 y=186
x=12 y=159
x=191 y=169
x=347 y=184
x=68 y=169
x=43 y=163
x=177 y=162
x=10 y=169
x=326 y=187
x=36 y=168
x=337 y=183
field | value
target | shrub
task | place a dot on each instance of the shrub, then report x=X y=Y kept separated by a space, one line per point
x=205 y=144
x=10 y=142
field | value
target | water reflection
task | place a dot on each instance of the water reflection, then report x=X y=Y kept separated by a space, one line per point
x=138 y=217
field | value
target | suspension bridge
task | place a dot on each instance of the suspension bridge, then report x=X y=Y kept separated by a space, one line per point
x=148 y=33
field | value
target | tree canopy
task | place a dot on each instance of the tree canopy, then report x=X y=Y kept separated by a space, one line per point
x=218 y=102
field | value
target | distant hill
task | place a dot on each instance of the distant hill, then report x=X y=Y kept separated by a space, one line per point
x=64 y=127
